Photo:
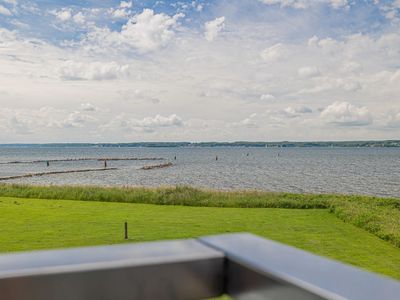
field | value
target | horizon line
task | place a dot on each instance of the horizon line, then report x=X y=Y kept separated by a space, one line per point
x=202 y=142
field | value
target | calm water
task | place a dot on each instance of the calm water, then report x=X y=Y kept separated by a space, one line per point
x=373 y=171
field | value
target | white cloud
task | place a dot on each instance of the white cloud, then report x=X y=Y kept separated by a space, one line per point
x=339 y=3
x=33 y=121
x=72 y=70
x=18 y=126
x=5 y=11
x=148 y=31
x=75 y=120
x=267 y=97
x=249 y=122
x=139 y=96
x=79 y=18
x=308 y=71
x=144 y=32
x=145 y=125
x=297 y=111
x=299 y=4
x=273 y=53
x=351 y=67
x=14 y=122
x=63 y=15
x=158 y=121
x=325 y=84
x=88 y=107
x=391 y=15
x=213 y=28
x=125 y=4
x=20 y=25
x=346 y=114
x=391 y=10
x=393 y=119
x=395 y=77
x=329 y=45
x=120 y=14
x=303 y=4
x=288 y=113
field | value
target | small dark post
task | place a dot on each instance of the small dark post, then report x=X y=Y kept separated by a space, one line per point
x=175 y=157
x=105 y=164
x=47 y=162
x=216 y=158
x=126 y=230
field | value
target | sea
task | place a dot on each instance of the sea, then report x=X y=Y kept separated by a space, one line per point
x=365 y=171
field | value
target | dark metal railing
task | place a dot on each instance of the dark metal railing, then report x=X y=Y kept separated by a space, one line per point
x=243 y=266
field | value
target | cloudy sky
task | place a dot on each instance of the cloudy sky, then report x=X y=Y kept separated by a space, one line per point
x=221 y=70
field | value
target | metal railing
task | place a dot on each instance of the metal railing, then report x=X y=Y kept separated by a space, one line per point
x=243 y=266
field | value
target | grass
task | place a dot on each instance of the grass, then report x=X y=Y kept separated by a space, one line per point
x=380 y=216
x=28 y=224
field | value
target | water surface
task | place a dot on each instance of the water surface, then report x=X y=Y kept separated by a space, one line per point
x=372 y=171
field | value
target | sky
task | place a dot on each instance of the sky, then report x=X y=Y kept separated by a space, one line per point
x=222 y=70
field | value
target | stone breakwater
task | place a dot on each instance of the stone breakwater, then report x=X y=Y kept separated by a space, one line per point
x=54 y=173
x=169 y=164
x=80 y=159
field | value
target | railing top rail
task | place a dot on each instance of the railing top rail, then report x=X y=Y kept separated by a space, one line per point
x=97 y=257
x=321 y=276
x=180 y=269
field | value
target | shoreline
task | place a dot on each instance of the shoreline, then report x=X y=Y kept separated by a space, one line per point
x=194 y=186
x=254 y=144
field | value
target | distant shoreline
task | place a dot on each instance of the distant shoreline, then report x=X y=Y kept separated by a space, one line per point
x=283 y=144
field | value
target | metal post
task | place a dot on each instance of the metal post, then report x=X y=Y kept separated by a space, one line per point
x=126 y=230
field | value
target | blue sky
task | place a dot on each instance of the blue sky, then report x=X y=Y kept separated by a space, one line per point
x=322 y=18
x=114 y=71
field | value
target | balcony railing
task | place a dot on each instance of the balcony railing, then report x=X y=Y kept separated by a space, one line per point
x=243 y=266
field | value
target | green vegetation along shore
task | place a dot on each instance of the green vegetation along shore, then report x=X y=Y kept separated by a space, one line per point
x=369 y=237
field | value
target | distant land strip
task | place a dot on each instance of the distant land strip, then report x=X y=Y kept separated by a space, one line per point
x=54 y=172
x=80 y=159
x=371 y=143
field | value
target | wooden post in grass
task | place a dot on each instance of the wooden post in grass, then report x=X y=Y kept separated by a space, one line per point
x=126 y=230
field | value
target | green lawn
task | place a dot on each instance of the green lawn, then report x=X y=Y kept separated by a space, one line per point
x=380 y=216
x=27 y=224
